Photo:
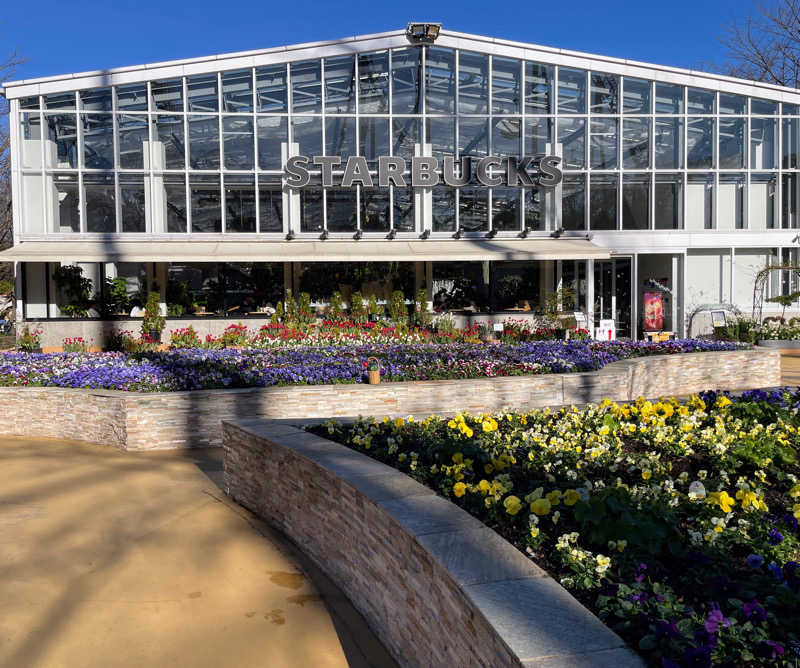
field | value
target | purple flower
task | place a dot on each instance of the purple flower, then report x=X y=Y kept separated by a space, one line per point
x=774 y=537
x=755 y=561
x=754 y=610
x=769 y=649
x=640 y=569
x=776 y=570
x=715 y=619
x=667 y=629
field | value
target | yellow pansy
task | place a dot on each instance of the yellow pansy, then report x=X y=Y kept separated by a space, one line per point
x=459 y=489
x=540 y=506
x=571 y=497
x=512 y=504
x=721 y=499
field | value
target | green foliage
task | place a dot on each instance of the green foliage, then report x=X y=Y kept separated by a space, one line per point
x=175 y=310
x=185 y=338
x=358 y=310
x=398 y=310
x=77 y=290
x=336 y=309
x=6 y=286
x=446 y=325
x=422 y=316
x=373 y=307
x=116 y=341
x=116 y=296
x=305 y=314
x=29 y=339
x=277 y=317
x=153 y=321
x=290 y=310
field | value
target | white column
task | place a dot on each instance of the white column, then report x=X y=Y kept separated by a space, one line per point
x=590 y=296
x=635 y=297
x=676 y=293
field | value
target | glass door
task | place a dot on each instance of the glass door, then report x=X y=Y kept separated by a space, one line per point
x=612 y=294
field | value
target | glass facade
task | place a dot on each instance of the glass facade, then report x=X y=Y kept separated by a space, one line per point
x=203 y=154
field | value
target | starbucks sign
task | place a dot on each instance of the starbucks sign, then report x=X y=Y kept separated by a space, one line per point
x=525 y=172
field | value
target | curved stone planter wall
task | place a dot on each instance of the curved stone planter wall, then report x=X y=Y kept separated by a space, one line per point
x=147 y=421
x=438 y=587
x=780 y=344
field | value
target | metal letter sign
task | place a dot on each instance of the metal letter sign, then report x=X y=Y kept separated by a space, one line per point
x=529 y=171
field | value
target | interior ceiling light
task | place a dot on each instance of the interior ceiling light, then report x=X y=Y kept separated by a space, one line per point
x=423 y=33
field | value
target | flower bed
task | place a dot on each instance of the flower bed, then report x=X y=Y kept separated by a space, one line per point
x=195 y=369
x=676 y=522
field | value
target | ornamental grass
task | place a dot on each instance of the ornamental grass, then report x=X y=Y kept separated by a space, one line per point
x=676 y=522
x=149 y=370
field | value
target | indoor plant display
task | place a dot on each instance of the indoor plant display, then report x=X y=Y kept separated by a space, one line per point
x=153 y=322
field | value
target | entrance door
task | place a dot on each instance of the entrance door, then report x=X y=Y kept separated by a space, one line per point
x=612 y=293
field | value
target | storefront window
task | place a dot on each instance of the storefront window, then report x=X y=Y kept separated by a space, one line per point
x=603 y=204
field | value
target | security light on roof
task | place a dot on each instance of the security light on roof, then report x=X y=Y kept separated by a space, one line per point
x=423 y=33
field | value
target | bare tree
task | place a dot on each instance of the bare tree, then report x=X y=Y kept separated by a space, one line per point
x=7 y=66
x=766 y=46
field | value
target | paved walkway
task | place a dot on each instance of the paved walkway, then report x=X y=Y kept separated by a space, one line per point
x=113 y=559
x=790 y=368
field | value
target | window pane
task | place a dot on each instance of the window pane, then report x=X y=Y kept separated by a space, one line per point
x=537 y=135
x=669 y=143
x=790 y=109
x=572 y=136
x=789 y=217
x=132 y=97
x=669 y=98
x=699 y=201
x=101 y=214
x=406 y=65
x=237 y=91
x=762 y=201
x=373 y=83
x=175 y=190
x=240 y=203
x=473 y=83
x=440 y=75
x=789 y=141
x=506 y=136
x=730 y=202
x=65 y=215
x=538 y=88
x=237 y=137
x=311 y=210
x=132 y=138
x=206 y=205
x=167 y=95
x=473 y=137
x=731 y=143
x=340 y=81
x=405 y=133
x=636 y=143
x=637 y=96
x=202 y=92
x=341 y=210
x=31 y=134
x=506 y=86
x=603 y=204
x=96 y=99
x=270 y=204
x=668 y=201
x=375 y=209
x=763 y=107
x=62 y=131
x=271 y=88
x=132 y=203
x=307 y=133
x=573 y=202
x=64 y=101
x=635 y=202
x=168 y=142
x=444 y=209
x=534 y=208
x=571 y=91
x=441 y=136
x=604 y=143
x=203 y=142
x=763 y=141
x=605 y=93
x=33 y=102
x=403 y=209
x=700 y=143
x=306 y=87
x=732 y=104
x=700 y=101
x=98 y=141
x=271 y=134
x=340 y=136
x=373 y=139
x=473 y=209
x=505 y=209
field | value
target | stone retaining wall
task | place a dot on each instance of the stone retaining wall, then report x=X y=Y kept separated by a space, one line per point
x=147 y=421
x=437 y=586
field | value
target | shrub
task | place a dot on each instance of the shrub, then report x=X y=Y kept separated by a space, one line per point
x=373 y=308
x=336 y=308
x=76 y=289
x=358 y=311
x=277 y=317
x=398 y=310
x=305 y=314
x=6 y=286
x=153 y=321
x=422 y=316
x=116 y=299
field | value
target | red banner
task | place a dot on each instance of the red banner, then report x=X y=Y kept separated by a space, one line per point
x=653 y=311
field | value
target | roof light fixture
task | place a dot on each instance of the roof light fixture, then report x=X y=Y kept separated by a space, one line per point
x=358 y=235
x=392 y=234
x=423 y=33
x=491 y=234
x=290 y=235
x=425 y=234
x=324 y=235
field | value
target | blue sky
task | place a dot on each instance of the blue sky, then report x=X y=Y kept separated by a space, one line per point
x=62 y=37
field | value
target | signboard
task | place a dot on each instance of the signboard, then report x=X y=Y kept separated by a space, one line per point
x=580 y=319
x=718 y=319
x=498 y=327
x=653 y=311
x=529 y=171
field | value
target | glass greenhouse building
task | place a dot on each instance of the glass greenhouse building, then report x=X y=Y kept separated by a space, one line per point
x=172 y=176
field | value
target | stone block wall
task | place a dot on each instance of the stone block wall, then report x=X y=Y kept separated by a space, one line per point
x=437 y=586
x=146 y=421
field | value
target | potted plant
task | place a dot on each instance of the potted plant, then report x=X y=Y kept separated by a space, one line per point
x=153 y=322
x=29 y=340
x=373 y=370
x=373 y=309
